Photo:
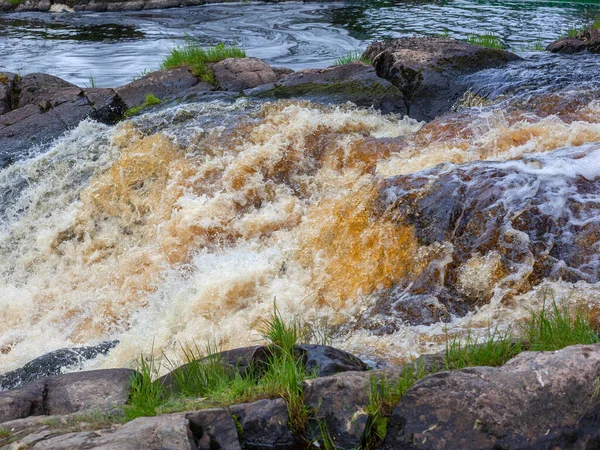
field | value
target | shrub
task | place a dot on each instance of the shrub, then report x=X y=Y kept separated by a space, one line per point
x=196 y=58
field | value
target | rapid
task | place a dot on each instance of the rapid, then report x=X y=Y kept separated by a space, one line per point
x=185 y=225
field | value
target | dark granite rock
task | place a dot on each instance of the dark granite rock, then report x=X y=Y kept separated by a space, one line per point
x=213 y=429
x=355 y=82
x=265 y=424
x=325 y=360
x=427 y=70
x=53 y=363
x=22 y=402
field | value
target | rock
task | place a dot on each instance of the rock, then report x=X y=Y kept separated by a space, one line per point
x=588 y=40
x=355 y=82
x=428 y=70
x=53 y=363
x=325 y=360
x=492 y=228
x=39 y=88
x=213 y=429
x=536 y=400
x=265 y=424
x=238 y=74
x=7 y=91
x=339 y=401
x=281 y=72
x=107 y=106
x=95 y=389
x=22 y=402
x=163 y=84
x=242 y=360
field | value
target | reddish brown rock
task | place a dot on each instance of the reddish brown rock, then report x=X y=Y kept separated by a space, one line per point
x=238 y=74
x=588 y=40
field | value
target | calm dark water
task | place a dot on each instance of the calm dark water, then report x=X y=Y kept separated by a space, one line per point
x=109 y=49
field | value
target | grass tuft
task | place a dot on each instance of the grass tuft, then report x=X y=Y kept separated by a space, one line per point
x=488 y=40
x=494 y=350
x=558 y=326
x=4 y=433
x=144 y=396
x=355 y=55
x=196 y=58
x=150 y=100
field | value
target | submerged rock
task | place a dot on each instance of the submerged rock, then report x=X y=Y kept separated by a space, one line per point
x=53 y=363
x=355 y=82
x=491 y=230
x=536 y=400
x=588 y=40
x=428 y=71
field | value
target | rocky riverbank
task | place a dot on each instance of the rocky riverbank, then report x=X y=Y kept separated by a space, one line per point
x=422 y=83
x=536 y=400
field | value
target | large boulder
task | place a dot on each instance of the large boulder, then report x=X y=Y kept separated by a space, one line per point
x=428 y=70
x=238 y=74
x=588 y=40
x=536 y=400
x=355 y=82
x=38 y=88
x=54 y=363
x=163 y=84
x=102 y=390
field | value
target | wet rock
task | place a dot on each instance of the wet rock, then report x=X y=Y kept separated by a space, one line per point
x=90 y=390
x=238 y=74
x=325 y=360
x=428 y=70
x=588 y=40
x=213 y=429
x=53 y=363
x=22 y=402
x=265 y=424
x=7 y=91
x=107 y=106
x=163 y=84
x=536 y=400
x=243 y=360
x=339 y=401
x=355 y=82
x=494 y=228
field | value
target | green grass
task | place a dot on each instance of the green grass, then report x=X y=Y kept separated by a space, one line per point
x=488 y=40
x=494 y=350
x=150 y=100
x=557 y=326
x=196 y=58
x=208 y=382
x=4 y=433
x=355 y=55
x=15 y=2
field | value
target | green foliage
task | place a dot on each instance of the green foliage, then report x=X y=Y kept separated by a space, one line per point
x=4 y=433
x=488 y=40
x=150 y=100
x=326 y=438
x=445 y=34
x=355 y=55
x=145 y=396
x=596 y=23
x=196 y=58
x=557 y=327
x=91 y=82
x=572 y=32
x=282 y=333
x=497 y=348
x=15 y=2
